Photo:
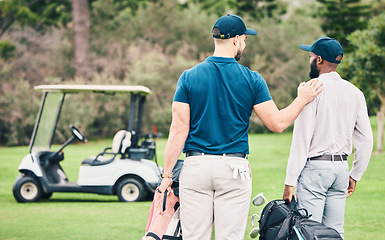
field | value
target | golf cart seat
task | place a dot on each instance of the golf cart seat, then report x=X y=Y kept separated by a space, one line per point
x=120 y=144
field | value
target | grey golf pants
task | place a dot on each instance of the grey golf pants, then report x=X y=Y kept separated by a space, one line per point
x=321 y=189
x=209 y=194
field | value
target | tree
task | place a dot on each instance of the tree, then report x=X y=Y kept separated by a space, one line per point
x=377 y=6
x=81 y=34
x=342 y=17
x=36 y=13
x=365 y=66
x=254 y=8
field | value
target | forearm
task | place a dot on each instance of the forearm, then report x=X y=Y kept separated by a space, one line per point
x=363 y=143
x=278 y=120
x=287 y=116
x=179 y=130
x=174 y=147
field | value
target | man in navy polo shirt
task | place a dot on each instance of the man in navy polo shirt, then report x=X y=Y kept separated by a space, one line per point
x=212 y=106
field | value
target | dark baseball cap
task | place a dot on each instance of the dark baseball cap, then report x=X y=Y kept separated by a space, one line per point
x=231 y=26
x=326 y=47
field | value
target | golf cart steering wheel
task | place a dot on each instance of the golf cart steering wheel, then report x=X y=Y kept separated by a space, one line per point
x=75 y=131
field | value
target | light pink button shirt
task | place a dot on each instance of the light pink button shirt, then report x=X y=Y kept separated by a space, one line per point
x=330 y=124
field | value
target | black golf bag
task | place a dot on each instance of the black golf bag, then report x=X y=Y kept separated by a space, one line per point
x=280 y=221
x=272 y=217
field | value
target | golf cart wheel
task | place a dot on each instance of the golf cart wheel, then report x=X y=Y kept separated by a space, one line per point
x=130 y=190
x=27 y=189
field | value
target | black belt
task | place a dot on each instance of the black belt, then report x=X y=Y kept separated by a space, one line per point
x=330 y=157
x=196 y=153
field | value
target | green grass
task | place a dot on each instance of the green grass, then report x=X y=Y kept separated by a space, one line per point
x=92 y=216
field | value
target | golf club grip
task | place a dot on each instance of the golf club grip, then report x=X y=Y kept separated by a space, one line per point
x=164 y=201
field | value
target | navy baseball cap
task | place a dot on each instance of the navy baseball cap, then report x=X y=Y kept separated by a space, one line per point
x=326 y=47
x=230 y=26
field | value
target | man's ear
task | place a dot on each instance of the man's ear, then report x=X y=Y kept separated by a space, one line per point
x=319 y=60
x=235 y=40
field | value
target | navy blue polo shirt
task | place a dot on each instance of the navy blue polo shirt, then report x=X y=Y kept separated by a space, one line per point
x=221 y=94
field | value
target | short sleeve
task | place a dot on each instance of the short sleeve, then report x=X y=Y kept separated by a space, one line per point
x=262 y=94
x=181 y=93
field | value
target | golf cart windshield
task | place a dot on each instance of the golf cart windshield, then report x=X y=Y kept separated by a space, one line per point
x=46 y=123
x=52 y=103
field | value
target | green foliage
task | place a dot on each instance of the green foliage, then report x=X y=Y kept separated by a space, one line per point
x=365 y=66
x=34 y=13
x=342 y=17
x=162 y=24
x=275 y=53
x=7 y=50
x=18 y=108
x=37 y=55
x=257 y=9
x=377 y=6
x=151 y=45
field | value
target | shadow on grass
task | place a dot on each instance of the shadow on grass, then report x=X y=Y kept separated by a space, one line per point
x=79 y=200
x=87 y=200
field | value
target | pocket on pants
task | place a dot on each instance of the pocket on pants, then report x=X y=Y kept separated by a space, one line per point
x=316 y=180
x=190 y=170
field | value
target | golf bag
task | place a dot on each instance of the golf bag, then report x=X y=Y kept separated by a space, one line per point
x=298 y=226
x=272 y=217
x=163 y=219
x=280 y=221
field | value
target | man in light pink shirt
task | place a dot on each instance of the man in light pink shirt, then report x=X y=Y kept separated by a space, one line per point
x=323 y=137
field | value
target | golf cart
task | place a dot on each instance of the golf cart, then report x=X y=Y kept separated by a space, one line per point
x=125 y=169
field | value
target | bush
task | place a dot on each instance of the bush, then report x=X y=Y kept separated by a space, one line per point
x=37 y=56
x=18 y=107
x=151 y=46
x=7 y=50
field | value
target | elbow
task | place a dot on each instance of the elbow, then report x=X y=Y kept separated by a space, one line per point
x=277 y=127
x=278 y=130
x=179 y=129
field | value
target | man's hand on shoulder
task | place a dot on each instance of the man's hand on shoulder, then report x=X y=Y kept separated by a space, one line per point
x=307 y=91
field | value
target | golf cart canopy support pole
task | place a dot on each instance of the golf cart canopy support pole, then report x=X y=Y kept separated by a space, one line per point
x=131 y=117
x=142 y=100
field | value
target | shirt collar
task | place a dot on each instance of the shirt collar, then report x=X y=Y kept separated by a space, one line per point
x=330 y=75
x=221 y=59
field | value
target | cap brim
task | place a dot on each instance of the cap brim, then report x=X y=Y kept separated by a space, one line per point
x=250 y=31
x=305 y=47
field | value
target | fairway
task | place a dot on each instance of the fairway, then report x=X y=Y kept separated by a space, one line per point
x=92 y=216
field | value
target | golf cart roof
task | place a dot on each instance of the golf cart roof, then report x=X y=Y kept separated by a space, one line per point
x=108 y=89
x=53 y=101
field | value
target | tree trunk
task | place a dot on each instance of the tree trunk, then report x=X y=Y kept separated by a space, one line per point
x=380 y=126
x=81 y=27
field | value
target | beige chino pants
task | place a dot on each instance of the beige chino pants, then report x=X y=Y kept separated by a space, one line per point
x=209 y=194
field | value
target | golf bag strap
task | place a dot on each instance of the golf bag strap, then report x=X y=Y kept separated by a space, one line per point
x=150 y=234
x=284 y=232
x=171 y=238
x=268 y=209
